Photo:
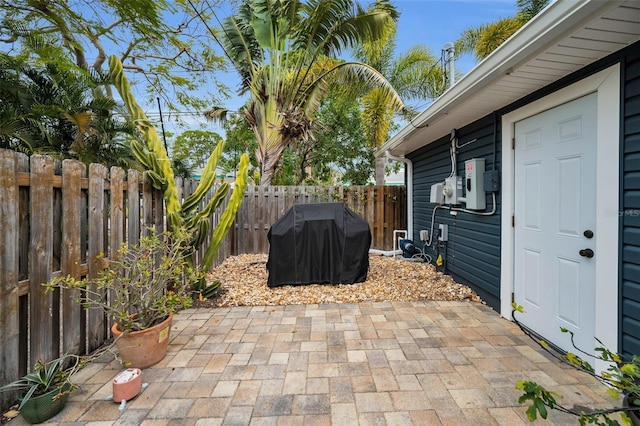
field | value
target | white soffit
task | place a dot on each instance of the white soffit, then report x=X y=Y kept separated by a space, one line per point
x=562 y=39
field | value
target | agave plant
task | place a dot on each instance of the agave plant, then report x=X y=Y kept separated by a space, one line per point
x=46 y=377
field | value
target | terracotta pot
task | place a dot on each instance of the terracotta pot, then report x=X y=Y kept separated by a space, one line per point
x=127 y=384
x=42 y=407
x=144 y=348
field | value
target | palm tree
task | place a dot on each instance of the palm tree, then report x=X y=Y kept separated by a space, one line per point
x=414 y=75
x=47 y=110
x=285 y=53
x=484 y=39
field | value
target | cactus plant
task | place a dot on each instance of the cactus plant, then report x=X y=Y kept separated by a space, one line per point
x=154 y=157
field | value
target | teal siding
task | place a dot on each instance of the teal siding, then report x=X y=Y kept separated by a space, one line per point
x=473 y=250
x=630 y=205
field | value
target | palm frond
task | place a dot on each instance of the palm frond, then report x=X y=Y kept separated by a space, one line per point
x=347 y=73
x=494 y=35
x=217 y=115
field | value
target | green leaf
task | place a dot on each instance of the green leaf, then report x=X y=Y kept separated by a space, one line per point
x=613 y=392
x=542 y=409
x=517 y=308
x=573 y=359
x=630 y=369
x=532 y=414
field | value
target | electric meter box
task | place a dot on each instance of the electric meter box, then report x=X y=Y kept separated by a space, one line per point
x=452 y=190
x=474 y=184
x=436 y=195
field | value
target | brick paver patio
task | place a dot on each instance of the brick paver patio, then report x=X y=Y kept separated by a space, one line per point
x=388 y=363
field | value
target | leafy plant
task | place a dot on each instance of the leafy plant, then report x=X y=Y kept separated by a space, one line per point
x=622 y=377
x=188 y=213
x=44 y=378
x=151 y=280
x=53 y=375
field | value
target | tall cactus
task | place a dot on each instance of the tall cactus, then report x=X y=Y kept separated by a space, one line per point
x=156 y=160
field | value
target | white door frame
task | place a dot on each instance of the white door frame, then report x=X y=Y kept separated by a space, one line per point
x=606 y=84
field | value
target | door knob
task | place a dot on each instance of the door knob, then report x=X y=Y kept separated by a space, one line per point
x=586 y=253
x=588 y=233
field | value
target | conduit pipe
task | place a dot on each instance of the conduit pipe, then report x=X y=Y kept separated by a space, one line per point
x=409 y=178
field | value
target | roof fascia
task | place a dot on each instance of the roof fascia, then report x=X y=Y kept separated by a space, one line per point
x=558 y=19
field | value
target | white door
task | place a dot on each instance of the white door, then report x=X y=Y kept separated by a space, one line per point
x=555 y=216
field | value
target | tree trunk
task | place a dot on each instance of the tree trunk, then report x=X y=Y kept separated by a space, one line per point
x=380 y=166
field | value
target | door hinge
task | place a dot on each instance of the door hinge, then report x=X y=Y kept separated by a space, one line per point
x=513 y=297
x=513 y=143
x=513 y=221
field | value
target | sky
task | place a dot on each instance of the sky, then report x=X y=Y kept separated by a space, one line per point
x=431 y=23
x=436 y=22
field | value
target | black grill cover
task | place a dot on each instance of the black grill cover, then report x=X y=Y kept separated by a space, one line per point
x=318 y=243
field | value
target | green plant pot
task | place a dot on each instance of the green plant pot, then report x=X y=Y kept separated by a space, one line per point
x=42 y=407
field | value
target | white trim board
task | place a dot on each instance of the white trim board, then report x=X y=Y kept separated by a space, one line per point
x=606 y=84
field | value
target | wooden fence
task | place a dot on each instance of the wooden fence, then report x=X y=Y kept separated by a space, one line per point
x=61 y=217
x=384 y=207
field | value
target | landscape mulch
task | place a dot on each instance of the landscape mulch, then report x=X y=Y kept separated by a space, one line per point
x=244 y=283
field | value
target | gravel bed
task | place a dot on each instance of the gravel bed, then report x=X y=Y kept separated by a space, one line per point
x=244 y=283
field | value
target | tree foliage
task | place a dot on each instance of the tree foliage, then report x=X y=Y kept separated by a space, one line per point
x=485 y=38
x=286 y=55
x=415 y=76
x=161 y=41
x=192 y=148
x=239 y=139
x=341 y=153
x=49 y=110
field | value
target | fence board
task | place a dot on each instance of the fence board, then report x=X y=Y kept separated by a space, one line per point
x=23 y=266
x=379 y=212
x=9 y=272
x=116 y=211
x=96 y=327
x=133 y=206
x=73 y=322
x=147 y=205
x=43 y=310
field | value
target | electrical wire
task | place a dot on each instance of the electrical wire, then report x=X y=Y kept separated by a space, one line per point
x=453 y=154
x=493 y=211
x=466 y=143
x=422 y=255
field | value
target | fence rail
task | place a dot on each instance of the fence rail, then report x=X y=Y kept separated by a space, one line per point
x=67 y=218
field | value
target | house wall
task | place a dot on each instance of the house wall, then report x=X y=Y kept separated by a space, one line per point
x=472 y=254
x=629 y=211
x=473 y=251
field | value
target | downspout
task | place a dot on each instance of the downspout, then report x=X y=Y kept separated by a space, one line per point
x=409 y=178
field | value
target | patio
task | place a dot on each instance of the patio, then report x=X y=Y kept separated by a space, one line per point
x=394 y=363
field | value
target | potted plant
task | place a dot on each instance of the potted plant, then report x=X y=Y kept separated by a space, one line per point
x=140 y=289
x=43 y=393
x=622 y=378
